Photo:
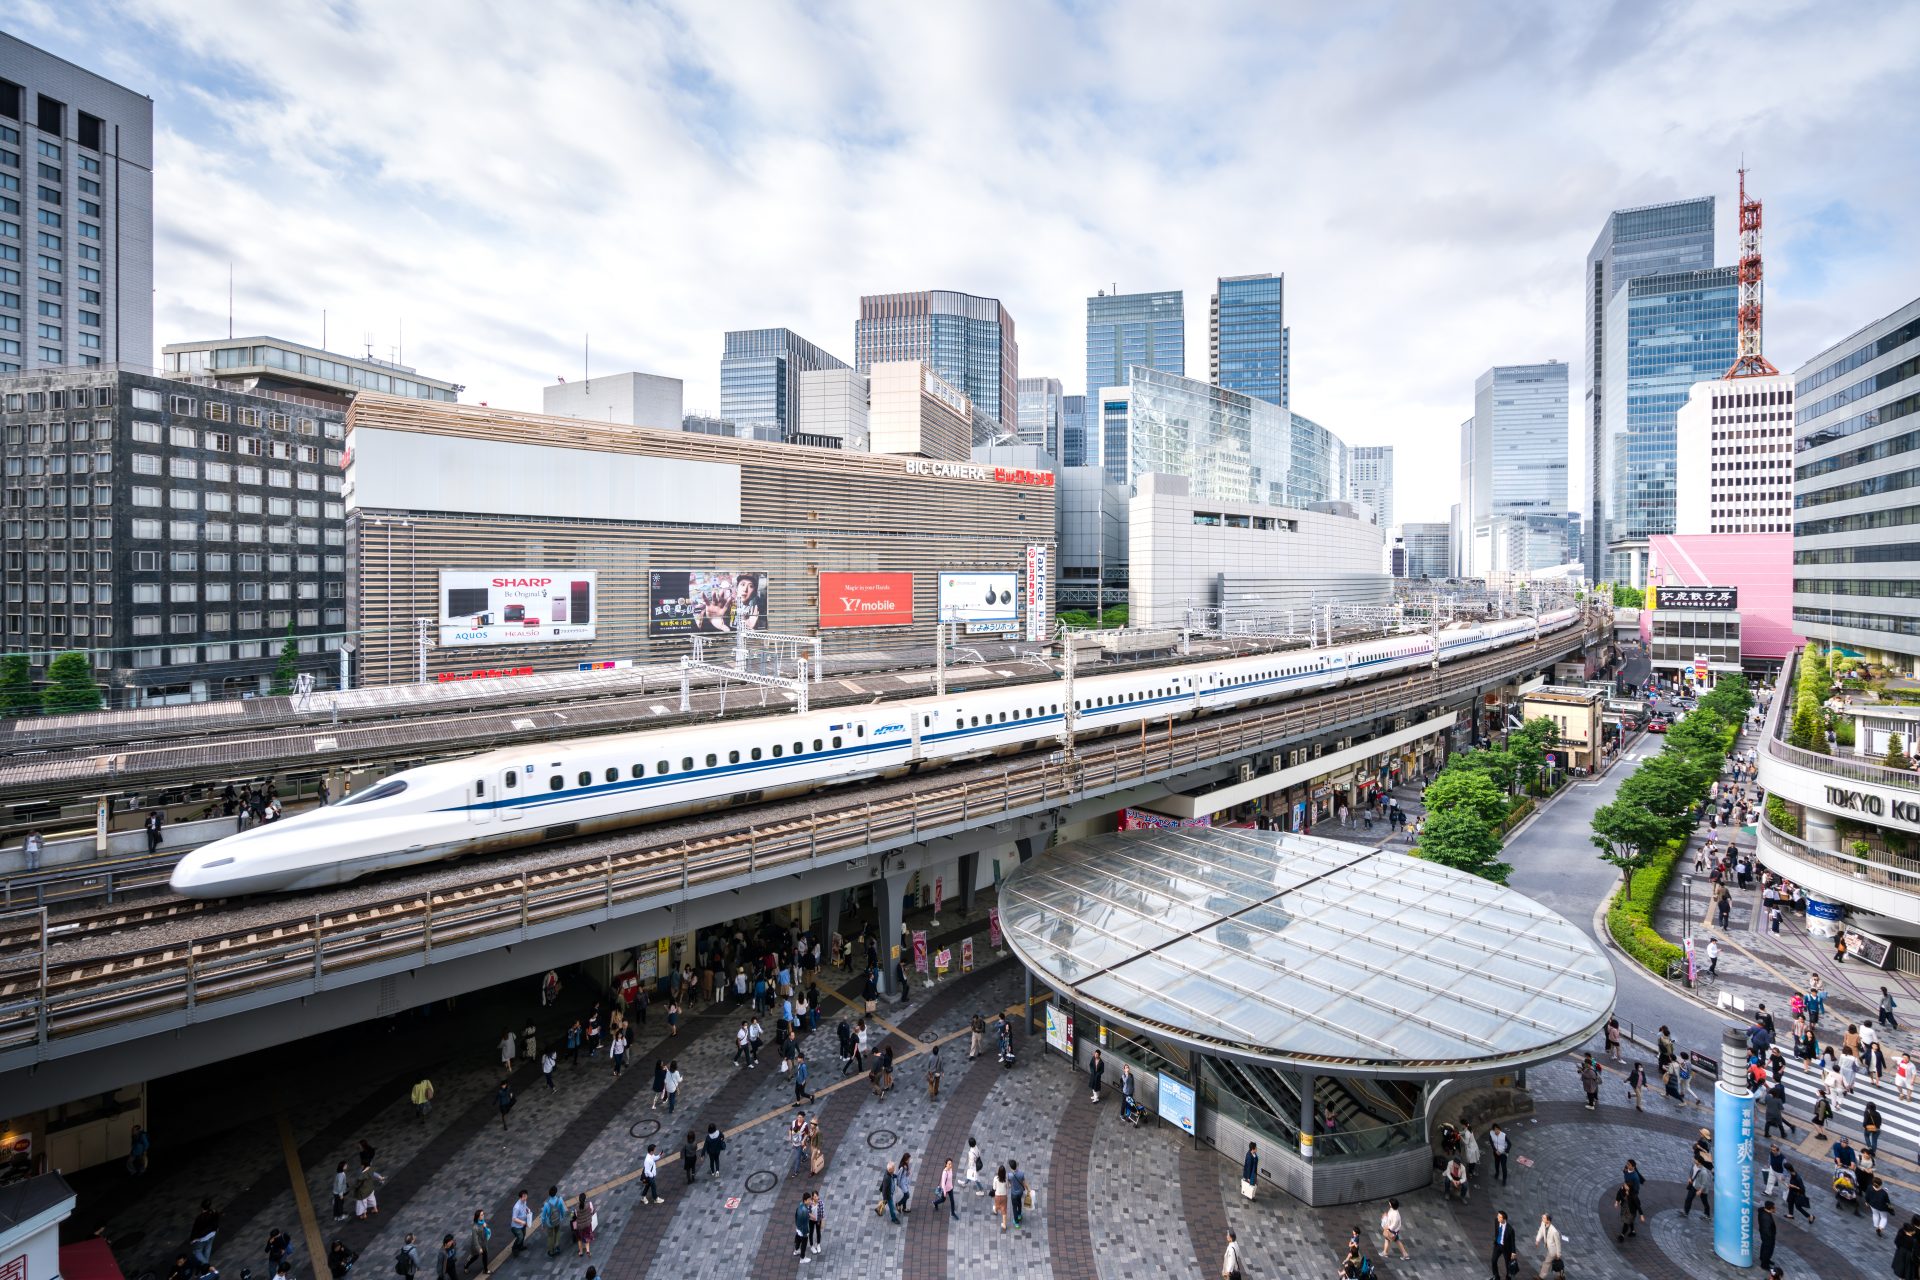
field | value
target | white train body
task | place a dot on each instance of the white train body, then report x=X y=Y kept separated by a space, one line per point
x=527 y=793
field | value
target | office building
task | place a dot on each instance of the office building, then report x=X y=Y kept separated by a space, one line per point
x=1231 y=447
x=1249 y=346
x=1429 y=546
x=1042 y=414
x=1856 y=537
x=1093 y=539
x=621 y=399
x=1733 y=457
x=1127 y=329
x=76 y=215
x=913 y=410
x=967 y=341
x=759 y=372
x=1517 y=546
x=1248 y=560
x=1650 y=240
x=298 y=373
x=1519 y=440
x=1371 y=481
x=1759 y=566
x=1664 y=333
x=833 y=410
x=641 y=532
x=1073 y=431
x=178 y=532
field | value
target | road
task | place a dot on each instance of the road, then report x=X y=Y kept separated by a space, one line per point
x=1555 y=863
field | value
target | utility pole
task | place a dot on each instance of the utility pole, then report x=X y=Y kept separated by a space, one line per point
x=420 y=627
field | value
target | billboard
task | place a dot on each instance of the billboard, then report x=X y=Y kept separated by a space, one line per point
x=865 y=600
x=517 y=606
x=981 y=601
x=1036 y=593
x=1717 y=599
x=681 y=602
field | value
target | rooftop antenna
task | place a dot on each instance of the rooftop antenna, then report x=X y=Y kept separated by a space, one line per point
x=1749 y=363
x=586 y=361
x=229 y=297
x=400 y=349
x=323 y=328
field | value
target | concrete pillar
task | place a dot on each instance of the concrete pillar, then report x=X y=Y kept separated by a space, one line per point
x=891 y=889
x=969 y=874
x=803 y=914
x=1823 y=832
x=102 y=824
x=833 y=916
x=1308 y=1128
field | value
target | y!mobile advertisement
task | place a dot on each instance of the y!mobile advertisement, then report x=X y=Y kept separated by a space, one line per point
x=981 y=601
x=517 y=606
x=865 y=600
x=682 y=602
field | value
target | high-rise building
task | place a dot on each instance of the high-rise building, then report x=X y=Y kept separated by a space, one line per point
x=1042 y=414
x=1650 y=240
x=1073 y=430
x=76 y=216
x=913 y=410
x=1513 y=451
x=832 y=410
x=1856 y=536
x=759 y=372
x=969 y=342
x=1372 y=480
x=1125 y=329
x=277 y=367
x=1733 y=457
x=1664 y=333
x=1429 y=546
x=178 y=531
x=1248 y=342
x=1231 y=447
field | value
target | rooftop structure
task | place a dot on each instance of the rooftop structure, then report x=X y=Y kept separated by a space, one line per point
x=275 y=366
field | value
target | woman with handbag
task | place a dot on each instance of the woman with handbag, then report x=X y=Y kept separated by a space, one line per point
x=1548 y=1238
x=1230 y=1263
x=586 y=1221
x=1250 y=1171
x=1390 y=1228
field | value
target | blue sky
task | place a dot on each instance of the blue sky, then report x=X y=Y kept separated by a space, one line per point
x=501 y=179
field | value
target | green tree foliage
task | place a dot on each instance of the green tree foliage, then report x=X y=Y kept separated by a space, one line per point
x=1805 y=731
x=1528 y=746
x=1629 y=836
x=1896 y=758
x=1458 y=839
x=1629 y=598
x=287 y=668
x=70 y=686
x=1494 y=762
x=1781 y=816
x=1467 y=791
x=1075 y=618
x=1114 y=617
x=17 y=697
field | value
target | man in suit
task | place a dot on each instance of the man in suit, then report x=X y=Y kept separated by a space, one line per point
x=1764 y=1227
x=1503 y=1260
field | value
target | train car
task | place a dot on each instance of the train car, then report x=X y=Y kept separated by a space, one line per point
x=530 y=793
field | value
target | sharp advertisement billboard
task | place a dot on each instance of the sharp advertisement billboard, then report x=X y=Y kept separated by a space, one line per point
x=683 y=602
x=865 y=600
x=981 y=601
x=517 y=606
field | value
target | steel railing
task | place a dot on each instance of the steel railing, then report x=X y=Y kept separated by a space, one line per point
x=1854 y=768
x=1868 y=870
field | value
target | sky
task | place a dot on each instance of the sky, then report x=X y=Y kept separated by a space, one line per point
x=478 y=187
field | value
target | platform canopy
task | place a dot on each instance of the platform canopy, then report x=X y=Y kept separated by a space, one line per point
x=1297 y=951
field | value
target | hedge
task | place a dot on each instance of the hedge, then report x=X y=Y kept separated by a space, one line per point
x=1631 y=921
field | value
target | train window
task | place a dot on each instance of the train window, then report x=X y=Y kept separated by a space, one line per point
x=479 y=788
x=778 y=751
x=859 y=731
x=733 y=757
x=586 y=779
x=712 y=759
x=556 y=782
x=975 y=724
x=799 y=748
x=613 y=775
x=816 y=744
x=836 y=742
x=1003 y=717
x=662 y=767
x=686 y=764
x=639 y=771
x=756 y=753
x=380 y=792
x=512 y=780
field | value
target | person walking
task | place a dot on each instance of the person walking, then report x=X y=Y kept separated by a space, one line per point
x=617 y=1050
x=449 y=1258
x=478 y=1236
x=1613 y=1038
x=200 y=1238
x=521 y=1220
x=1636 y=1083
x=1096 y=1070
x=1017 y=1192
x=943 y=1193
x=886 y=1203
x=1879 y=1203
x=650 y=1176
x=1887 y=1005
x=802 y=1227
x=933 y=1074
x=507 y=1046
x=1391 y=1226
x=903 y=1183
x=690 y=1156
x=1627 y=1199
x=1906 y=1250
x=1870 y=1125
x=1700 y=1184
x=800 y=1072
x=1797 y=1201
x=1548 y=1238
x=816 y=1213
x=574 y=1036
x=716 y=1142
x=1766 y=1229
x=421 y=1096
x=503 y=1101
x=1500 y=1143
x=366 y=1199
x=342 y=1183
x=659 y=1083
x=548 y=1061
x=976 y=1030
x=974 y=1162
x=1590 y=1081
x=553 y=1216
x=1503 y=1259
x=1000 y=1195
x=673 y=1084
x=1250 y=1171
x=1230 y=1260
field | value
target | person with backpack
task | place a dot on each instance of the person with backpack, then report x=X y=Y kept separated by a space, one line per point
x=553 y=1215
x=406 y=1260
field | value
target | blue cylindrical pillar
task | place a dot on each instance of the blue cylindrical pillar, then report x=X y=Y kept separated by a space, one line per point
x=1733 y=1154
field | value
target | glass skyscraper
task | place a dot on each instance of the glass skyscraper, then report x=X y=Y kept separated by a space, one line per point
x=1230 y=447
x=1073 y=431
x=1125 y=329
x=1663 y=334
x=1042 y=413
x=1372 y=481
x=1518 y=441
x=1650 y=240
x=968 y=341
x=759 y=380
x=1247 y=337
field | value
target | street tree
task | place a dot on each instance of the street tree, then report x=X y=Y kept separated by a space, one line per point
x=1628 y=835
x=70 y=686
x=1458 y=839
x=1466 y=790
x=17 y=697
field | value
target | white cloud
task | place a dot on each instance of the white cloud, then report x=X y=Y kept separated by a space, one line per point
x=507 y=179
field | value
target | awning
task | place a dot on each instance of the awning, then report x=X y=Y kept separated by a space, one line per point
x=88 y=1260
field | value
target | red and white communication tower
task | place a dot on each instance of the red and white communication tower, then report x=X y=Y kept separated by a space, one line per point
x=1749 y=363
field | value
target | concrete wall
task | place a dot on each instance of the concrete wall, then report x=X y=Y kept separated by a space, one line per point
x=633 y=399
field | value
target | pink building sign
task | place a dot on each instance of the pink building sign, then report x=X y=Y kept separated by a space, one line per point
x=1760 y=564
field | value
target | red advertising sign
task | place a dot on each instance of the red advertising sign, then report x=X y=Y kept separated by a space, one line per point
x=865 y=600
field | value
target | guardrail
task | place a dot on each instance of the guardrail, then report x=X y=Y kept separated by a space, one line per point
x=45 y=998
x=1872 y=871
x=1852 y=767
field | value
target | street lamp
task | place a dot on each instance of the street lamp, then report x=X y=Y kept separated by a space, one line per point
x=1686 y=898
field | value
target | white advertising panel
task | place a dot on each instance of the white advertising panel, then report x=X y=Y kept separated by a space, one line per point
x=1036 y=593
x=980 y=601
x=517 y=606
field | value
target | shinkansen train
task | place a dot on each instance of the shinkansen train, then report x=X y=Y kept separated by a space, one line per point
x=532 y=792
